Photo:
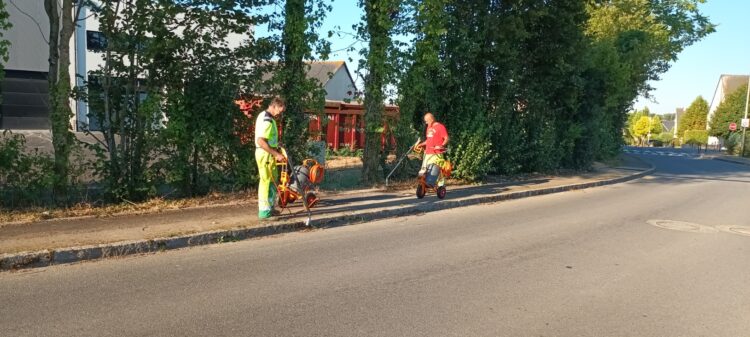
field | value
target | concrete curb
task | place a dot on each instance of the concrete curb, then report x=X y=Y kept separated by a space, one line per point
x=732 y=160
x=46 y=258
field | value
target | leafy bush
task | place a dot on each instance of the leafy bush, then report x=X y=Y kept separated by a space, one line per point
x=733 y=143
x=472 y=154
x=344 y=152
x=663 y=139
x=25 y=178
x=695 y=137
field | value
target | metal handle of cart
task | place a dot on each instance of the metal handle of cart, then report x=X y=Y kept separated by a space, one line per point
x=411 y=149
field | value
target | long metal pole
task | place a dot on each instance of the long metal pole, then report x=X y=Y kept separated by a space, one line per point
x=744 y=128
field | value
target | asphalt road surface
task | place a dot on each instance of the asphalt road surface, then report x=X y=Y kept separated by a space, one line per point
x=587 y=263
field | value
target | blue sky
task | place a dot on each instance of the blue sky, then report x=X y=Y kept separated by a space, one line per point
x=696 y=72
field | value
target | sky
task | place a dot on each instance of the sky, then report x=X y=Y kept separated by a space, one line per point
x=695 y=73
x=697 y=70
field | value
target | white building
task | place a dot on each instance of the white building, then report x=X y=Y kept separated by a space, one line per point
x=25 y=104
x=727 y=85
x=335 y=78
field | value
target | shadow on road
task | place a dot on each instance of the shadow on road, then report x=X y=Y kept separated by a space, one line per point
x=674 y=169
x=406 y=199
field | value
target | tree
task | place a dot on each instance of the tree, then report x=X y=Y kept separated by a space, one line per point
x=379 y=21
x=534 y=85
x=695 y=116
x=167 y=90
x=4 y=43
x=632 y=120
x=656 y=126
x=63 y=16
x=732 y=110
x=641 y=128
x=696 y=137
x=301 y=20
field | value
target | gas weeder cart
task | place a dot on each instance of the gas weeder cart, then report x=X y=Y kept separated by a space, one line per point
x=298 y=183
x=432 y=178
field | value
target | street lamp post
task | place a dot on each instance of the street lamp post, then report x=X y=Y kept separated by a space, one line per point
x=744 y=126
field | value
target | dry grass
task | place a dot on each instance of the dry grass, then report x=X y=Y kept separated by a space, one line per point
x=155 y=205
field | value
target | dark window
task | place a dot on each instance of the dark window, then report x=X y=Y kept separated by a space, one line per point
x=95 y=41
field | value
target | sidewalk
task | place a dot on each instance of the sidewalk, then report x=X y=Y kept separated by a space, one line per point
x=730 y=159
x=92 y=238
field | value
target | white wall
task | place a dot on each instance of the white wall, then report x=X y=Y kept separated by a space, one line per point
x=29 y=48
x=340 y=87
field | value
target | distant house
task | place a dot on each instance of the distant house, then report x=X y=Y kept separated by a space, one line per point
x=335 y=78
x=726 y=86
x=25 y=103
x=667 y=126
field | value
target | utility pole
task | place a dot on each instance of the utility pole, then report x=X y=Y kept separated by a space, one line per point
x=744 y=124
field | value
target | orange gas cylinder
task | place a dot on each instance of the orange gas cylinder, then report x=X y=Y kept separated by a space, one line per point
x=317 y=173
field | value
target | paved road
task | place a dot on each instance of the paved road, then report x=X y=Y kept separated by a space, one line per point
x=583 y=263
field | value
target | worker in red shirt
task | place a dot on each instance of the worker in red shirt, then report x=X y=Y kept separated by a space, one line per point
x=435 y=143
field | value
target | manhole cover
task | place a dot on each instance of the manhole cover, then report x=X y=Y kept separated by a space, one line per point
x=740 y=230
x=682 y=226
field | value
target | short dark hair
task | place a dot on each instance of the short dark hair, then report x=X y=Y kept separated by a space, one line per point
x=277 y=101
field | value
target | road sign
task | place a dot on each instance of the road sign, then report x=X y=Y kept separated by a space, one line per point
x=746 y=122
x=732 y=126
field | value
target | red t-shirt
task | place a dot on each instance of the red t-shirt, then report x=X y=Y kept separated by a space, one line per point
x=436 y=135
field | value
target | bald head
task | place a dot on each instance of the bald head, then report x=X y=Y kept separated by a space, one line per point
x=429 y=118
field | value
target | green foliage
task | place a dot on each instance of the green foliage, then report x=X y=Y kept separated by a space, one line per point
x=734 y=143
x=732 y=110
x=25 y=178
x=695 y=116
x=642 y=127
x=665 y=138
x=695 y=137
x=551 y=80
x=635 y=137
x=656 y=126
x=472 y=155
x=302 y=20
x=344 y=152
x=377 y=28
x=62 y=18
x=164 y=99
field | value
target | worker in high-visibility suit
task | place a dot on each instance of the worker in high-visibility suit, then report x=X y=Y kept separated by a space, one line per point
x=267 y=154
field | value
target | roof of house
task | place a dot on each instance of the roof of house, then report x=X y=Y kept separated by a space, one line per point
x=668 y=125
x=323 y=71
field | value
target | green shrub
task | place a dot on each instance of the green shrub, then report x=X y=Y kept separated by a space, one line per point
x=663 y=139
x=25 y=178
x=695 y=137
x=344 y=152
x=733 y=143
x=472 y=154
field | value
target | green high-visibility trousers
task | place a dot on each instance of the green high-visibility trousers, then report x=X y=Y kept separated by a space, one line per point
x=268 y=174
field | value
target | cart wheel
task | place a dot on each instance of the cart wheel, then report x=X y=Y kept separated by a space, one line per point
x=311 y=199
x=421 y=191
x=441 y=192
x=282 y=199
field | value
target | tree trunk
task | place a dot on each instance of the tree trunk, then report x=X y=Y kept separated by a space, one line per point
x=61 y=31
x=379 y=22
x=293 y=89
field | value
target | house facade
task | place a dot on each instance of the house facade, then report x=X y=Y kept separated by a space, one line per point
x=727 y=85
x=25 y=104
